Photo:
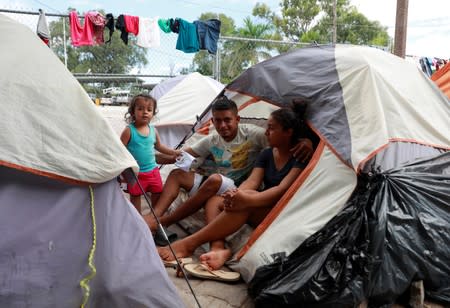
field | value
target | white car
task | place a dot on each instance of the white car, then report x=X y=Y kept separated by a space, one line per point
x=106 y=101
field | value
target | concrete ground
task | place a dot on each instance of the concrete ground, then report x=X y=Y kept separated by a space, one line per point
x=209 y=293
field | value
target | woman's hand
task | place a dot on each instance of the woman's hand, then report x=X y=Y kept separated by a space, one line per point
x=234 y=200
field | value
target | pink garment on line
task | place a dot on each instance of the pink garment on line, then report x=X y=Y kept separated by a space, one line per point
x=91 y=33
x=131 y=24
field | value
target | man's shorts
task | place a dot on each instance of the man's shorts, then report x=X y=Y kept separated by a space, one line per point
x=227 y=184
x=150 y=182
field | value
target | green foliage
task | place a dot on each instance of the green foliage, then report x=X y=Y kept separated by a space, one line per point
x=352 y=27
x=297 y=17
x=241 y=54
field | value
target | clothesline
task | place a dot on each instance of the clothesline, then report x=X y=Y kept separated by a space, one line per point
x=221 y=37
x=34 y=13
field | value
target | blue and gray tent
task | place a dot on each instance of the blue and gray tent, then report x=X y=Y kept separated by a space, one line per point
x=371 y=212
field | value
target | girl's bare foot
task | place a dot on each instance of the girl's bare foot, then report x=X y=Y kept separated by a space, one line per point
x=215 y=259
x=181 y=249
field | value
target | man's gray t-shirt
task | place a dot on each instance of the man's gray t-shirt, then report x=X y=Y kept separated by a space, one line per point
x=234 y=159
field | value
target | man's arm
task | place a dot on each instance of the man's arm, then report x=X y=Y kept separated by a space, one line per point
x=303 y=150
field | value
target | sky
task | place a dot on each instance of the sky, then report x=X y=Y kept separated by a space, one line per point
x=428 y=31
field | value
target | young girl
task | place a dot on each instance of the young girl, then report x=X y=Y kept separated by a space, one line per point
x=275 y=168
x=141 y=139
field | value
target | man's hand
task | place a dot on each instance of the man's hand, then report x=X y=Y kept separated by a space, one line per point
x=303 y=150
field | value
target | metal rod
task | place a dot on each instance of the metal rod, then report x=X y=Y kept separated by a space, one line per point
x=166 y=238
x=34 y=13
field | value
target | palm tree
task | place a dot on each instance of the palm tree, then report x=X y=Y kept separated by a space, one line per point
x=241 y=54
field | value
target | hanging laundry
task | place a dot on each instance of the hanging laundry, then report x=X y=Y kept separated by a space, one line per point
x=120 y=25
x=208 y=34
x=91 y=33
x=109 y=25
x=164 y=25
x=42 y=28
x=131 y=24
x=174 y=25
x=187 y=38
x=149 y=35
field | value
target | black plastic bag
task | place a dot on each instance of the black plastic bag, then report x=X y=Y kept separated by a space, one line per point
x=395 y=229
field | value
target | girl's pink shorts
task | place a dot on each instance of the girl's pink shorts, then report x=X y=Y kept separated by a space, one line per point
x=150 y=182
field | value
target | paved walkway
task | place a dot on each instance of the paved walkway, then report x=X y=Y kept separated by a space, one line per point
x=209 y=293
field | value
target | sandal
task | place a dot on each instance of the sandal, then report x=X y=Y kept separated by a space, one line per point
x=160 y=239
x=202 y=271
x=174 y=263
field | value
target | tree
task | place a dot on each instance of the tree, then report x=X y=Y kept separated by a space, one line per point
x=113 y=58
x=241 y=54
x=312 y=20
x=352 y=26
x=264 y=13
x=297 y=17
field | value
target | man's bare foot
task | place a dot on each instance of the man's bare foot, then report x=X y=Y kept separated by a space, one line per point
x=215 y=259
x=151 y=222
x=181 y=248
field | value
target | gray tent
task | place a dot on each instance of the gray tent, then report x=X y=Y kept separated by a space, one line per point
x=370 y=214
x=69 y=236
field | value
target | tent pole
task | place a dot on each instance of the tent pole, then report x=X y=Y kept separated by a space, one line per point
x=165 y=237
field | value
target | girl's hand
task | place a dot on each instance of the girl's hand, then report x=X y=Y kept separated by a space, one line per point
x=176 y=154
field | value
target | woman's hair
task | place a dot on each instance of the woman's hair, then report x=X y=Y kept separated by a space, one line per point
x=292 y=117
x=129 y=115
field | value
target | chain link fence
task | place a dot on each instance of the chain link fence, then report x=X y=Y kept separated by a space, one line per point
x=163 y=61
x=234 y=54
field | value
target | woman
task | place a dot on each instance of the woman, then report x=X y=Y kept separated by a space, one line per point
x=276 y=169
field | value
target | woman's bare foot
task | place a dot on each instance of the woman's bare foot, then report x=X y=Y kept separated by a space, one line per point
x=181 y=249
x=215 y=259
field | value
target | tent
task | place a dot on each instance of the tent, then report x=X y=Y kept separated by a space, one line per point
x=181 y=100
x=442 y=79
x=69 y=236
x=370 y=214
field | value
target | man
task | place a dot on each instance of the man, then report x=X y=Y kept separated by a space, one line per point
x=234 y=148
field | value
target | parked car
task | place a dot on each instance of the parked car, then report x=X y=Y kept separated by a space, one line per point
x=122 y=99
x=106 y=101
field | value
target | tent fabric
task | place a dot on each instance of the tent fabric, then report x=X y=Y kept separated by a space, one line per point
x=46 y=236
x=376 y=115
x=48 y=117
x=181 y=100
x=361 y=97
x=442 y=79
x=54 y=143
